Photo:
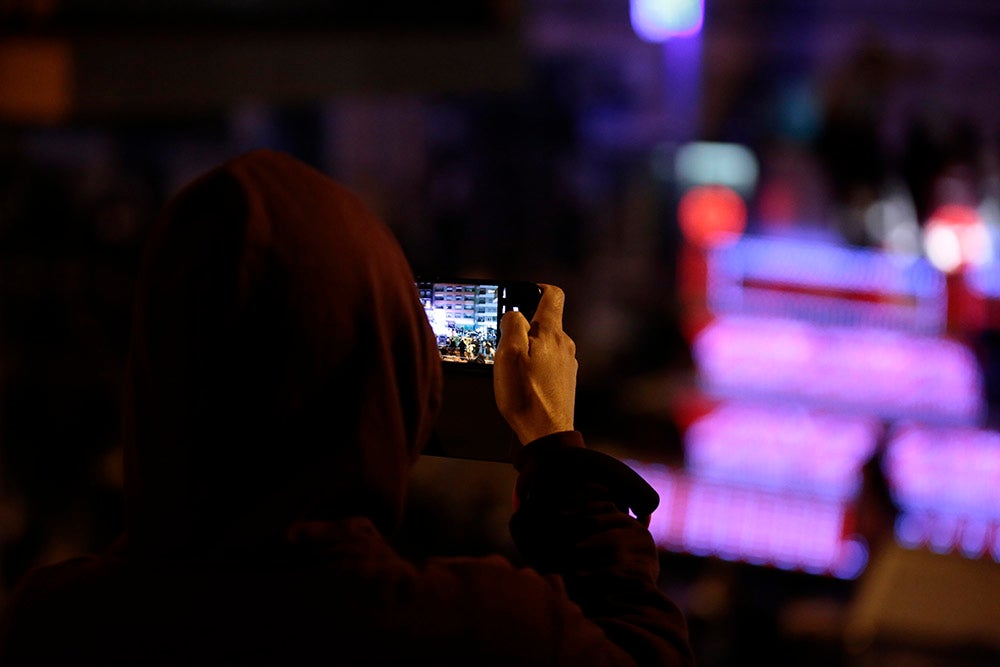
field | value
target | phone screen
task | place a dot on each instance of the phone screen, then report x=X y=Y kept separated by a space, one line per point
x=465 y=314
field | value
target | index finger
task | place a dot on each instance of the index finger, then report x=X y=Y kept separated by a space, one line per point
x=550 y=307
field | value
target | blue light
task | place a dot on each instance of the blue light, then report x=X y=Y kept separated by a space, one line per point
x=716 y=163
x=659 y=20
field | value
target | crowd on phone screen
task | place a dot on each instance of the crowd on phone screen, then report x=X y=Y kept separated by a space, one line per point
x=466 y=348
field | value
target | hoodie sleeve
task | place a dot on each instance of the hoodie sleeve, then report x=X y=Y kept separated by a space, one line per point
x=582 y=515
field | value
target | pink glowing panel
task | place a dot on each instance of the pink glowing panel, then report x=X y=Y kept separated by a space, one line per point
x=826 y=283
x=781 y=448
x=782 y=530
x=946 y=471
x=875 y=371
x=947 y=484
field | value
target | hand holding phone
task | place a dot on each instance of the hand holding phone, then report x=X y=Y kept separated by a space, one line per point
x=464 y=314
x=535 y=371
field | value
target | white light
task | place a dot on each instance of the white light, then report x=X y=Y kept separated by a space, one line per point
x=943 y=248
x=717 y=163
x=903 y=239
x=659 y=20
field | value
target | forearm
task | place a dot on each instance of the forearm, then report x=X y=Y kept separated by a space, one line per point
x=574 y=520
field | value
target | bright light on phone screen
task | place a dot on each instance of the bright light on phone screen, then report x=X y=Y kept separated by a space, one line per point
x=464 y=319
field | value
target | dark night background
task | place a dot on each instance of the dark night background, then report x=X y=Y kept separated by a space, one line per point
x=502 y=138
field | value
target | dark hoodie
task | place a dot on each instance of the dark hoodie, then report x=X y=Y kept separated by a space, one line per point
x=282 y=381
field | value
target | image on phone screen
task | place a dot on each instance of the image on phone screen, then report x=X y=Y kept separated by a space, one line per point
x=465 y=314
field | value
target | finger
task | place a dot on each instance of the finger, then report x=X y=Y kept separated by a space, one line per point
x=513 y=332
x=550 y=307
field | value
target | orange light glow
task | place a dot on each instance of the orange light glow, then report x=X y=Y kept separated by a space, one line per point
x=35 y=80
x=711 y=215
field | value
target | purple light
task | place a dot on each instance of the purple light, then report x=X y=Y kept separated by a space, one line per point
x=946 y=471
x=869 y=370
x=910 y=530
x=781 y=448
x=947 y=484
x=852 y=561
x=944 y=535
x=839 y=341
x=984 y=280
x=659 y=20
x=827 y=284
x=973 y=540
x=782 y=530
x=949 y=533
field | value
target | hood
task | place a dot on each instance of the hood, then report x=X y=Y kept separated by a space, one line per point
x=281 y=366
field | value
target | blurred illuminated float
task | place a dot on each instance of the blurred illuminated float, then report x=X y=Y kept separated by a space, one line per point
x=811 y=357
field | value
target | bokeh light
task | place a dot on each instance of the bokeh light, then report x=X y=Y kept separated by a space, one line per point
x=711 y=215
x=659 y=20
x=955 y=237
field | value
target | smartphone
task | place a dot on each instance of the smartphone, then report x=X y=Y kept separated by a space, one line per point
x=465 y=314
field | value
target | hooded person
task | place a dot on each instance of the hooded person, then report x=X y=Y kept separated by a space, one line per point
x=281 y=383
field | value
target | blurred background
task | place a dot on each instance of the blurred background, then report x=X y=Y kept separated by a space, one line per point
x=777 y=223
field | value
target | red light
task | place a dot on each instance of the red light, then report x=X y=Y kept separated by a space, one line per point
x=711 y=215
x=955 y=214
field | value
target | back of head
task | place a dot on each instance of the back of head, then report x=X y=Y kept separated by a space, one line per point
x=281 y=366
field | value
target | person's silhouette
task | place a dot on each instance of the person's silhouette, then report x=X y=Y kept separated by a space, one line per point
x=282 y=381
